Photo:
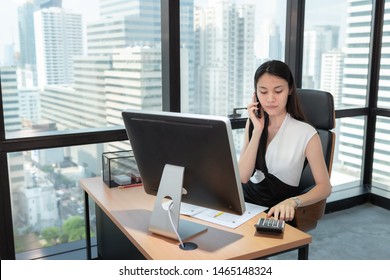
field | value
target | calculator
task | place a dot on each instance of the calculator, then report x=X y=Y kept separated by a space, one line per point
x=270 y=225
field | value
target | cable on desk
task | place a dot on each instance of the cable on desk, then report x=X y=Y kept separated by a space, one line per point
x=173 y=224
x=187 y=246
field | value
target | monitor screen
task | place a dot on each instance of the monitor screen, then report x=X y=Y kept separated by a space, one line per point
x=201 y=144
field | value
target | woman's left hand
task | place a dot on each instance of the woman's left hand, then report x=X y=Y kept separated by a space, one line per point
x=284 y=210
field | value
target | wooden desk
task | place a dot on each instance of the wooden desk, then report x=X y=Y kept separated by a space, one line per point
x=130 y=210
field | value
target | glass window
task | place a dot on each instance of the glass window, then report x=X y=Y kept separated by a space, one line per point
x=223 y=42
x=381 y=174
x=238 y=138
x=46 y=197
x=336 y=49
x=384 y=79
x=69 y=65
x=348 y=154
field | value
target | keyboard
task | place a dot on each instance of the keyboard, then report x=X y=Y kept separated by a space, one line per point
x=270 y=225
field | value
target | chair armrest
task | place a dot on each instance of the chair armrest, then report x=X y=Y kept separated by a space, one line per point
x=306 y=217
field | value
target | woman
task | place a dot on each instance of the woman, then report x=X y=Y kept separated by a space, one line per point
x=277 y=143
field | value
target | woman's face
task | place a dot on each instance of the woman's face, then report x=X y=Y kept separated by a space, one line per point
x=273 y=93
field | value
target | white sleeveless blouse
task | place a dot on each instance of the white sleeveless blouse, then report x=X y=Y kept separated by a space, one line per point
x=285 y=154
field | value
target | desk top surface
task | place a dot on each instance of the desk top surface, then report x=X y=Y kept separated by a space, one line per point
x=130 y=209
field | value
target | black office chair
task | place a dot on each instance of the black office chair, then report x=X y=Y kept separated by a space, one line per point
x=318 y=107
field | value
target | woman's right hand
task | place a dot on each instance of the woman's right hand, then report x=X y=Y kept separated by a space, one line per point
x=256 y=118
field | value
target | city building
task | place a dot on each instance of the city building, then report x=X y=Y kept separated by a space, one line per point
x=58 y=38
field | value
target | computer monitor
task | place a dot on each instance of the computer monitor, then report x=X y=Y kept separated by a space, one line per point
x=185 y=158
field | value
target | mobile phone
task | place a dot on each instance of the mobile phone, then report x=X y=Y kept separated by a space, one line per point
x=257 y=112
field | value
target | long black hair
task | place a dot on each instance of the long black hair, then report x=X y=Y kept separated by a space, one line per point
x=281 y=70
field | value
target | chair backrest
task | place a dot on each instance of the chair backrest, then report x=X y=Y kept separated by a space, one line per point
x=318 y=107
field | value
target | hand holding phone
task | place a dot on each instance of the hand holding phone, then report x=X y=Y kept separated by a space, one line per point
x=258 y=111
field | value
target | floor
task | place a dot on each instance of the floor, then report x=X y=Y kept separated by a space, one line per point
x=359 y=233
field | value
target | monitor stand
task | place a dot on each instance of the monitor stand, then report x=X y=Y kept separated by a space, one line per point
x=171 y=188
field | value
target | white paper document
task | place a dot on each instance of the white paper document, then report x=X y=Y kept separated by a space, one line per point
x=221 y=218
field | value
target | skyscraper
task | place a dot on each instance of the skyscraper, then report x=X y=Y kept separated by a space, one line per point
x=27 y=58
x=124 y=24
x=354 y=93
x=332 y=63
x=270 y=45
x=81 y=105
x=318 y=40
x=225 y=56
x=26 y=34
x=12 y=123
x=10 y=97
x=41 y=4
x=123 y=48
x=58 y=37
